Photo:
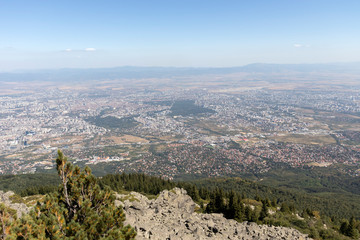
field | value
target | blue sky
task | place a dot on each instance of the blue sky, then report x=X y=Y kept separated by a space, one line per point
x=197 y=33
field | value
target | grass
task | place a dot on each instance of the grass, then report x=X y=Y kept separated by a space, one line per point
x=129 y=197
x=32 y=200
x=306 y=139
x=252 y=202
x=16 y=199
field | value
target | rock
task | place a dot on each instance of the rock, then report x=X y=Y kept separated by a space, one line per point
x=20 y=208
x=171 y=216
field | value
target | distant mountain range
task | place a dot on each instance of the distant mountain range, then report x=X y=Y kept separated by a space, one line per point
x=70 y=74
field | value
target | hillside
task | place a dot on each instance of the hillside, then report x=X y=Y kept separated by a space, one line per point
x=337 y=204
x=172 y=216
x=282 y=207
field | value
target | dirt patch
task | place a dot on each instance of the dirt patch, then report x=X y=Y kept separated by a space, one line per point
x=127 y=139
x=306 y=139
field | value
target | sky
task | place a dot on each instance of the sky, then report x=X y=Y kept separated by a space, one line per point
x=43 y=34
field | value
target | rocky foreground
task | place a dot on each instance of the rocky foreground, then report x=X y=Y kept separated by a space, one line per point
x=171 y=216
x=6 y=199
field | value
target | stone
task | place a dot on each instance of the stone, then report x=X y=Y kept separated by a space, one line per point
x=172 y=216
x=20 y=208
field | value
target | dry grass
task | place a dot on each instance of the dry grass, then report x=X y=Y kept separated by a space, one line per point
x=127 y=139
x=168 y=138
x=13 y=156
x=210 y=127
x=305 y=111
x=306 y=139
x=316 y=164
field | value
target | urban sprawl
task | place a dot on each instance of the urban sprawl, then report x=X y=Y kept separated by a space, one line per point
x=174 y=132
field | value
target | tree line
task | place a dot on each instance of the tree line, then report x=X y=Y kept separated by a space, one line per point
x=237 y=199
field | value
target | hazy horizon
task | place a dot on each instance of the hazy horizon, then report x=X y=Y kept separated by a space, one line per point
x=19 y=70
x=82 y=34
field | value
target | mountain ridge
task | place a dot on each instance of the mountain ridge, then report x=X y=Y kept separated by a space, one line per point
x=90 y=74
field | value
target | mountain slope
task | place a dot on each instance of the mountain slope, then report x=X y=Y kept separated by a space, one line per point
x=172 y=216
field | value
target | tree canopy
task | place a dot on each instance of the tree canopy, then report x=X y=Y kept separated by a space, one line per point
x=79 y=209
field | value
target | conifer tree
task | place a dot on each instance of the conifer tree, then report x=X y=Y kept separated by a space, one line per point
x=210 y=207
x=284 y=208
x=78 y=210
x=231 y=207
x=352 y=231
x=219 y=200
x=239 y=214
x=273 y=203
x=247 y=213
x=5 y=221
x=264 y=211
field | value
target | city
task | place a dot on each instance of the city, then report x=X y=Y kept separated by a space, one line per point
x=174 y=132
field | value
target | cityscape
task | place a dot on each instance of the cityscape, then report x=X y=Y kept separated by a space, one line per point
x=176 y=132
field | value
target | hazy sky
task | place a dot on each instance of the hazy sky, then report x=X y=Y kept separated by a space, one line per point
x=36 y=34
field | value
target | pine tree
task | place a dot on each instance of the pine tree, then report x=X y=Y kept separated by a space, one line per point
x=352 y=231
x=210 y=207
x=193 y=192
x=273 y=203
x=204 y=193
x=248 y=213
x=231 y=207
x=5 y=221
x=284 y=208
x=219 y=200
x=264 y=211
x=78 y=210
x=239 y=214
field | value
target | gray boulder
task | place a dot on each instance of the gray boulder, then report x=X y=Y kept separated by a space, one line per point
x=21 y=208
x=172 y=216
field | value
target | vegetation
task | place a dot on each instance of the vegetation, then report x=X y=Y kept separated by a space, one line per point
x=244 y=200
x=6 y=216
x=187 y=107
x=30 y=184
x=136 y=182
x=236 y=198
x=335 y=207
x=317 y=180
x=79 y=209
x=113 y=122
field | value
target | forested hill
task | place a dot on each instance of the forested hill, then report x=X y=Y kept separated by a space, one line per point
x=339 y=207
x=303 y=211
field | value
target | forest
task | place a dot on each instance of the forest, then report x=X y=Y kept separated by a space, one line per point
x=187 y=107
x=236 y=198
